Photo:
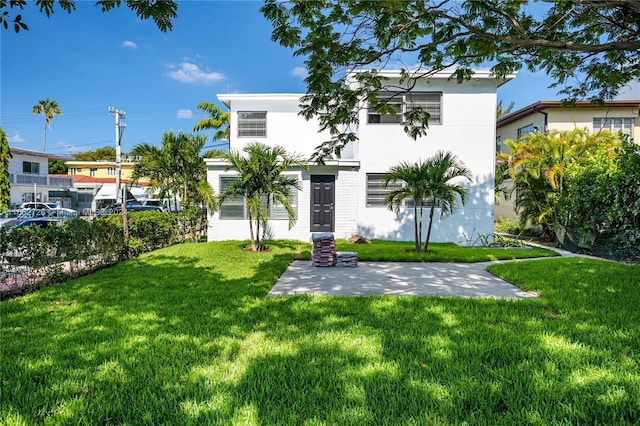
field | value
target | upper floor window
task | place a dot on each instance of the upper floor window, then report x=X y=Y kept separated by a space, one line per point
x=252 y=124
x=393 y=104
x=29 y=167
x=397 y=104
x=524 y=131
x=624 y=125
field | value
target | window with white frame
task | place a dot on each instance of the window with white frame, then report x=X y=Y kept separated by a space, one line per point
x=524 y=131
x=615 y=125
x=377 y=192
x=252 y=124
x=430 y=102
x=111 y=171
x=92 y=171
x=235 y=208
x=29 y=167
x=393 y=103
x=232 y=207
x=397 y=104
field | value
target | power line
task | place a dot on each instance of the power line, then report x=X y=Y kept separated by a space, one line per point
x=65 y=149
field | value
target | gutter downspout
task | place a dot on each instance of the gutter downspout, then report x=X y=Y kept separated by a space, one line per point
x=546 y=120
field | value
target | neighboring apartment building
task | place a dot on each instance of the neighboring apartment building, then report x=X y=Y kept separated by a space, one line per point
x=552 y=115
x=95 y=182
x=616 y=115
x=30 y=180
x=346 y=195
x=101 y=169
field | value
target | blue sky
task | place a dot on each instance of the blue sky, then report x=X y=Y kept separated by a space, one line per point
x=88 y=61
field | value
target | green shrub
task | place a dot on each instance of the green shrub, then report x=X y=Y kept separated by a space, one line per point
x=39 y=257
x=604 y=199
x=507 y=226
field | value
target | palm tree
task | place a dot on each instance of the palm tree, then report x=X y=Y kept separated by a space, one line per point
x=261 y=181
x=428 y=183
x=49 y=109
x=502 y=111
x=177 y=168
x=217 y=120
x=408 y=180
x=153 y=165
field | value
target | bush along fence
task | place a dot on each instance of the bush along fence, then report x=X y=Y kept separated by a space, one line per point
x=32 y=257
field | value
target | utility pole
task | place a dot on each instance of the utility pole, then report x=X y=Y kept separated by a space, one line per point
x=120 y=125
x=121 y=196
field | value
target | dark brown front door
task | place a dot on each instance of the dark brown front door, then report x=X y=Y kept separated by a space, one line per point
x=322 y=203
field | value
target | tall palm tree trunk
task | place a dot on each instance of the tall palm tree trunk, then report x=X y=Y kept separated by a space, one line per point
x=44 y=137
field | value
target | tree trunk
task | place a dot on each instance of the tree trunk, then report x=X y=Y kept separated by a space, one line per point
x=416 y=233
x=420 y=226
x=253 y=240
x=258 y=244
x=44 y=138
x=264 y=226
x=426 y=243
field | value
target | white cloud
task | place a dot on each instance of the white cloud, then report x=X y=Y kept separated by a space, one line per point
x=188 y=72
x=129 y=44
x=300 y=72
x=184 y=113
x=16 y=138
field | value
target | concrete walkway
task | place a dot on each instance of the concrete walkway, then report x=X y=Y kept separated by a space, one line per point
x=400 y=279
x=396 y=278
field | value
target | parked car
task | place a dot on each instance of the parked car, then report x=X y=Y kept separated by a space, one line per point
x=62 y=213
x=116 y=208
x=136 y=208
x=8 y=216
x=42 y=222
x=33 y=213
x=38 y=205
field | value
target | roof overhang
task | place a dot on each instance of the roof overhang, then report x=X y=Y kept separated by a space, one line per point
x=53 y=157
x=541 y=106
x=221 y=162
x=445 y=74
x=228 y=98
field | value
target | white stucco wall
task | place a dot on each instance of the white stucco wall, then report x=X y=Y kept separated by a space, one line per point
x=284 y=126
x=346 y=190
x=467 y=130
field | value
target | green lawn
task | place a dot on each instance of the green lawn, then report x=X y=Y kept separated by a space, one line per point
x=185 y=335
x=392 y=251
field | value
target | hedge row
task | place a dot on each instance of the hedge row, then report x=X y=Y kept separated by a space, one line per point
x=33 y=257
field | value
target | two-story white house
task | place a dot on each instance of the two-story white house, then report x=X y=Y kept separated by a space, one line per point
x=346 y=196
x=30 y=180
